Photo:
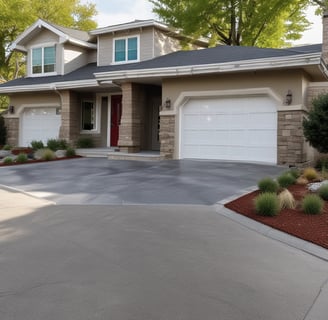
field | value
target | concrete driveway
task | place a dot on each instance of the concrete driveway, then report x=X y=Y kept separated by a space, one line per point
x=179 y=261
x=100 y=181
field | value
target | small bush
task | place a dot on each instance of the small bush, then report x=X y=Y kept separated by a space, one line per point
x=21 y=158
x=295 y=173
x=322 y=163
x=84 y=142
x=267 y=204
x=8 y=160
x=268 y=185
x=312 y=204
x=285 y=180
x=57 y=144
x=6 y=147
x=286 y=200
x=302 y=181
x=36 y=145
x=310 y=174
x=70 y=152
x=45 y=154
x=323 y=192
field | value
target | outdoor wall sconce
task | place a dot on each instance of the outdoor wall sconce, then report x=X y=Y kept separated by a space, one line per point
x=289 y=98
x=168 y=103
x=11 y=109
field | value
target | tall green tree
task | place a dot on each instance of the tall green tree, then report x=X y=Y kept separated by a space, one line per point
x=261 y=23
x=17 y=15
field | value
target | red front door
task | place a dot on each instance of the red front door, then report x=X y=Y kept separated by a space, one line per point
x=115 y=119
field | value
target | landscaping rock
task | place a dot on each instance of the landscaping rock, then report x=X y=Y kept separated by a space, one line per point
x=4 y=153
x=60 y=153
x=316 y=185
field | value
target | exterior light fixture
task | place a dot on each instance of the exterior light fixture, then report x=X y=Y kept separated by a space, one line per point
x=11 y=109
x=168 y=103
x=289 y=98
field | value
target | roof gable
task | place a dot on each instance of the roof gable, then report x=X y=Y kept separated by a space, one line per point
x=77 y=37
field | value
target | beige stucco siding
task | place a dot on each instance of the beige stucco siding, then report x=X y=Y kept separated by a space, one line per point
x=164 y=44
x=279 y=81
x=74 y=58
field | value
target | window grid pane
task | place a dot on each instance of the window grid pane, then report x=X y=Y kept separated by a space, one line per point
x=37 y=60
x=120 y=50
x=132 y=49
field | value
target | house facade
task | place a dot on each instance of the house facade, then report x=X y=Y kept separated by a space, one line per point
x=132 y=87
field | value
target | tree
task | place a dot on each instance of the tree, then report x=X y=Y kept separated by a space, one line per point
x=17 y=15
x=315 y=127
x=259 y=23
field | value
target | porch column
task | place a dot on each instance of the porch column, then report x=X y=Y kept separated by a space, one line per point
x=130 y=128
x=69 y=129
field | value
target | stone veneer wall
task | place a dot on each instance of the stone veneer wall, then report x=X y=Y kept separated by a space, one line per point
x=133 y=101
x=12 y=125
x=69 y=129
x=166 y=136
x=290 y=138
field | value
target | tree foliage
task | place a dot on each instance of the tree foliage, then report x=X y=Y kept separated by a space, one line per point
x=315 y=127
x=261 y=23
x=17 y=15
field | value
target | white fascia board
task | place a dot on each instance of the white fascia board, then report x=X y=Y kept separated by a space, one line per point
x=236 y=66
x=51 y=86
x=82 y=43
x=130 y=25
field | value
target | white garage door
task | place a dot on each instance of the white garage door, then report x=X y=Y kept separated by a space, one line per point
x=39 y=124
x=243 y=129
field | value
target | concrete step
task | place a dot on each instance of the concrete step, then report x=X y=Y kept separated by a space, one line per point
x=95 y=152
x=140 y=156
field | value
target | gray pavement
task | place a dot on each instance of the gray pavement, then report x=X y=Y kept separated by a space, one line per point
x=138 y=262
x=102 y=181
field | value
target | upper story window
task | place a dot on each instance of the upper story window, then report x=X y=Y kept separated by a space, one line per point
x=126 y=49
x=43 y=60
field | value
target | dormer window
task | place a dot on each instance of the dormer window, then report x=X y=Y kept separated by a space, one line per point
x=126 y=49
x=43 y=60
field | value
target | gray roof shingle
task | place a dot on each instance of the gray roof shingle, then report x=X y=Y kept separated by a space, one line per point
x=216 y=55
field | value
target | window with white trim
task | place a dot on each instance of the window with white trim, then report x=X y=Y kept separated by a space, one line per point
x=89 y=116
x=43 y=60
x=126 y=49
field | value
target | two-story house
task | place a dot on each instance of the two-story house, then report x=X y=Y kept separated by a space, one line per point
x=131 y=86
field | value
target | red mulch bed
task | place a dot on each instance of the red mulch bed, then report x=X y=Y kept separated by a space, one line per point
x=313 y=228
x=36 y=161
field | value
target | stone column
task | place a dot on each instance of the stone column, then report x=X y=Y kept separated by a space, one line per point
x=70 y=116
x=12 y=125
x=167 y=135
x=133 y=99
x=325 y=36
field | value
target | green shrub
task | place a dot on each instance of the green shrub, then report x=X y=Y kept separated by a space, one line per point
x=268 y=185
x=267 y=204
x=295 y=173
x=323 y=192
x=8 y=160
x=45 y=154
x=285 y=180
x=322 y=163
x=57 y=144
x=36 y=145
x=70 y=152
x=21 y=158
x=312 y=204
x=84 y=142
x=6 y=147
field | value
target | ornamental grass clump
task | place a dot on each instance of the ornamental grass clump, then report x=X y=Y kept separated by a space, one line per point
x=310 y=174
x=8 y=160
x=286 y=200
x=268 y=185
x=267 y=204
x=323 y=192
x=70 y=152
x=45 y=154
x=286 y=180
x=312 y=204
x=22 y=158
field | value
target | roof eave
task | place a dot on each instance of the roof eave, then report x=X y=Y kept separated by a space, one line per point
x=236 y=66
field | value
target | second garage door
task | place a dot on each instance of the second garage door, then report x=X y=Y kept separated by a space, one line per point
x=242 y=129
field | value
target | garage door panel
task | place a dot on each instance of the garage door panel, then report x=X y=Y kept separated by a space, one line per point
x=230 y=129
x=39 y=124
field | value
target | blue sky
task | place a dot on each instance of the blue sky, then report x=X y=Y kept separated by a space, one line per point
x=119 y=11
